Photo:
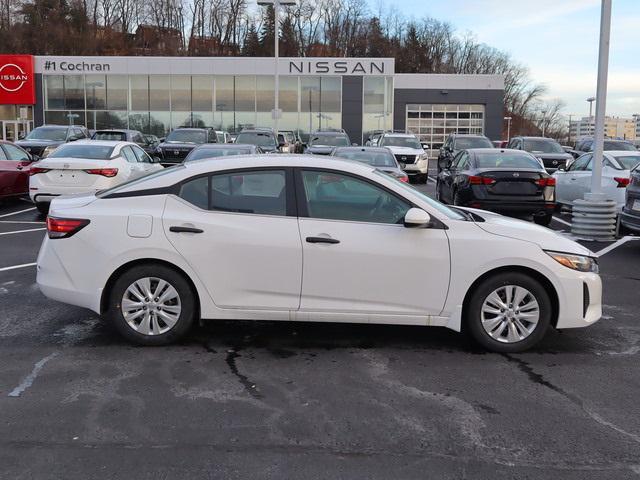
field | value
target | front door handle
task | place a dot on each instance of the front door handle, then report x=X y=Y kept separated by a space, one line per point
x=322 y=240
x=185 y=230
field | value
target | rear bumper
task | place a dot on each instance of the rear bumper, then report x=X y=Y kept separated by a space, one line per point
x=630 y=219
x=46 y=195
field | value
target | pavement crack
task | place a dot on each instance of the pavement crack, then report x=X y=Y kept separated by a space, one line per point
x=540 y=380
x=248 y=385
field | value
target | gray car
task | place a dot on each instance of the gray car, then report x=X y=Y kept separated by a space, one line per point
x=379 y=157
x=214 y=150
x=550 y=152
x=323 y=142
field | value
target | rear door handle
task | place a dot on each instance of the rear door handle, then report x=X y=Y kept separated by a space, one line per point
x=185 y=230
x=322 y=240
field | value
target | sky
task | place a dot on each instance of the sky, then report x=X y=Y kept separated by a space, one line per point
x=557 y=40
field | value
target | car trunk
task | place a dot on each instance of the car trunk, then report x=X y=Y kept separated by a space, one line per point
x=71 y=171
x=512 y=182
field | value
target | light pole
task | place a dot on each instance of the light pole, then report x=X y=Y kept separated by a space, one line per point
x=591 y=100
x=508 y=119
x=569 y=136
x=276 y=114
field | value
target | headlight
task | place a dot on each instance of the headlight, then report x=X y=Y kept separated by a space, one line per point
x=47 y=151
x=580 y=263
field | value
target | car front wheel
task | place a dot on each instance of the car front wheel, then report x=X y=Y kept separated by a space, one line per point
x=509 y=312
x=152 y=305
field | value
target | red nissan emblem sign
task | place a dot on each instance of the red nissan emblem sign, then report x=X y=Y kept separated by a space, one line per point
x=17 y=82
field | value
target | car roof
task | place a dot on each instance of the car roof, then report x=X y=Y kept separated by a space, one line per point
x=468 y=135
x=398 y=134
x=620 y=153
x=128 y=130
x=365 y=149
x=216 y=146
x=532 y=137
x=192 y=128
x=103 y=143
x=497 y=150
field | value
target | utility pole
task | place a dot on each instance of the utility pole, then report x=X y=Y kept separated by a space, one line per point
x=591 y=100
x=544 y=113
x=508 y=119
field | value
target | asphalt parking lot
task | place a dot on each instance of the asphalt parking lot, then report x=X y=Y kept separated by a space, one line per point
x=290 y=400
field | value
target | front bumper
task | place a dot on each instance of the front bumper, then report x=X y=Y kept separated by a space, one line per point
x=420 y=167
x=582 y=304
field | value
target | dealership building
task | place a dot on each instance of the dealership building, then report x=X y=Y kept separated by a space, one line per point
x=157 y=94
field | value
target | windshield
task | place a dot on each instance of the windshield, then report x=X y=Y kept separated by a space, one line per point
x=408 y=142
x=541 y=145
x=159 y=173
x=216 y=152
x=187 y=136
x=329 y=140
x=88 y=152
x=48 y=133
x=261 y=139
x=506 y=160
x=433 y=203
x=119 y=136
x=613 y=145
x=370 y=157
x=628 y=162
x=464 y=143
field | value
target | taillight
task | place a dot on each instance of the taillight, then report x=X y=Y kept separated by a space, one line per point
x=546 y=182
x=622 y=182
x=105 y=172
x=64 y=227
x=476 y=180
x=35 y=170
x=404 y=179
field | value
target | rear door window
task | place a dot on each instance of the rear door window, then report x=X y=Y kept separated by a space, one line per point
x=129 y=156
x=261 y=192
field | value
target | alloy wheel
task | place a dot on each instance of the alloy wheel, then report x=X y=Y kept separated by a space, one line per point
x=151 y=306
x=510 y=314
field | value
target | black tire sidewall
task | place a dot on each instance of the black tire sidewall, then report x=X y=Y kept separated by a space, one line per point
x=543 y=220
x=177 y=280
x=472 y=315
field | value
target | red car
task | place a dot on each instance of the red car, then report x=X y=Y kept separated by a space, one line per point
x=15 y=164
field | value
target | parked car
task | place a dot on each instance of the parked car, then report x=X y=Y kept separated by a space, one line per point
x=585 y=145
x=498 y=180
x=223 y=137
x=548 y=150
x=457 y=142
x=181 y=141
x=630 y=214
x=409 y=153
x=573 y=183
x=216 y=150
x=15 y=163
x=228 y=238
x=380 y=158
x=125 y=135
x=86 y=166
x=322 y=142
x=265 y=138
x=41 y=141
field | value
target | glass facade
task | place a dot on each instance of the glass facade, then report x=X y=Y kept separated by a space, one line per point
x=434 y=123
x=159 y=103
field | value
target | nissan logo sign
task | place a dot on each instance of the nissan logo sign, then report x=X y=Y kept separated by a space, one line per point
x=12 y=77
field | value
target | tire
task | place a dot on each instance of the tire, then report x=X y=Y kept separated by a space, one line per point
x=543 y=220
x=165 y=334
x=438 y=192
x=43 y=207
x=503 y=341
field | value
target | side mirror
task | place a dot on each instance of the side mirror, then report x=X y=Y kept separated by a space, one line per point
x=417 y=218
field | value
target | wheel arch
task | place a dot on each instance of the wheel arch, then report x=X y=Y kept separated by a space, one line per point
x=106 y=291
x=544 y=281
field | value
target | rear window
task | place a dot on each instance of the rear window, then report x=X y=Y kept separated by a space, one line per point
x=464 y=143
x=118 y=136
x=187 y=136
x=91 y=152
x=506 y=160
x=628 y=162
x=48 y=133
x=542 y=146
x=408 y=142
x=373 y=158
x=257 y=138
x=216 y=152
x=137 y=181
x=329 y=140
x=613 y=145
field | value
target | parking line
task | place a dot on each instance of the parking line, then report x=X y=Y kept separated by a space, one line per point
x=16 y=213
x=432 y=179
x=615 y=245
x=564 y=222
x=14 y=267
x=23 y=231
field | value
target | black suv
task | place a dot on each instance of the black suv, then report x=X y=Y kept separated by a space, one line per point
x=322 y=142
x=181 y=141
x=264 y=138
x=460 y=141
x=551 y=153
x=41 y=141
x=124 y=135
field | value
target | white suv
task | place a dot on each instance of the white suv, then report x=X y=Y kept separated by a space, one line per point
x=409 y=153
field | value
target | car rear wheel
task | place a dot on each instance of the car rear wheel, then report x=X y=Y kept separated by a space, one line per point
x=509 y=312
x=152 y=305
x=543 y=220
x=43 y=207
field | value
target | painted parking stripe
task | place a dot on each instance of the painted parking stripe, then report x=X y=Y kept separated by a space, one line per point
x=615 y=245
x=16 y=213
x=431 y=179
x=559 y=220
x=23 y=231
x=15 y=267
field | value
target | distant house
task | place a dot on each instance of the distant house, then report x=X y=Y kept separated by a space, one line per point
x=151 y=40
x=210 y=46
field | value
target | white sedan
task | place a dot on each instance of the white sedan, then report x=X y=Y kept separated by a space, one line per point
x=573 y=183
x=303 y=239
x=86 y=166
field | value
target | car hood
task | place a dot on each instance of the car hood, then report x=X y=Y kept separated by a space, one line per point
x=38 y=143
x=406 y=151
x=322 y=149
x=545 y=238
